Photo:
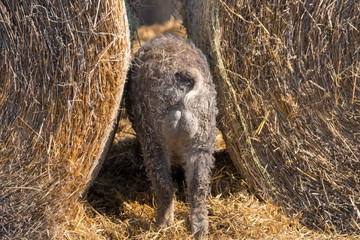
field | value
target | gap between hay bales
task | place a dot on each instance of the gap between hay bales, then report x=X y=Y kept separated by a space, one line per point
x=120 y=205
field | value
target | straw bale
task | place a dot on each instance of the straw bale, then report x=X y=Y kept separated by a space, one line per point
x=287 y=75
x=62 y=71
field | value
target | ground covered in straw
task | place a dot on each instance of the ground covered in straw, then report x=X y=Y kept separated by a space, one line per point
x=121 y=204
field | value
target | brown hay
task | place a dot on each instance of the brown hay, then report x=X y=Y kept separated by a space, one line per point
x=288 y=83
x=62 y=70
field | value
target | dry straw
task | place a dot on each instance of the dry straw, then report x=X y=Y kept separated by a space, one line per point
x=62 y=70
x=287 y=75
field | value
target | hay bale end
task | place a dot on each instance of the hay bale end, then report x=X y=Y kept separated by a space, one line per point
x=287 y=75
x=62 y=70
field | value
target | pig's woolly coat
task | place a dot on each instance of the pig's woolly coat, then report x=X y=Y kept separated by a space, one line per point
x=171 y=101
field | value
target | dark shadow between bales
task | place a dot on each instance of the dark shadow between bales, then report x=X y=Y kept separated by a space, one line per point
x=122 y=178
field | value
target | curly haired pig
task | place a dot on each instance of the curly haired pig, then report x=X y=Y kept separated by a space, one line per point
x=171 y=101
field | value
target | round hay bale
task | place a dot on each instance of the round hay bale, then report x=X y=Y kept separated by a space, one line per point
x=287 y=75
x=62 y=70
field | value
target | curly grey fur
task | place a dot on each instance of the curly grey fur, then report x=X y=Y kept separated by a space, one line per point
x=171 y=101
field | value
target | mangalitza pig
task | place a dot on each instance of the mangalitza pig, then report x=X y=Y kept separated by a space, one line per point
x=171 y=101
